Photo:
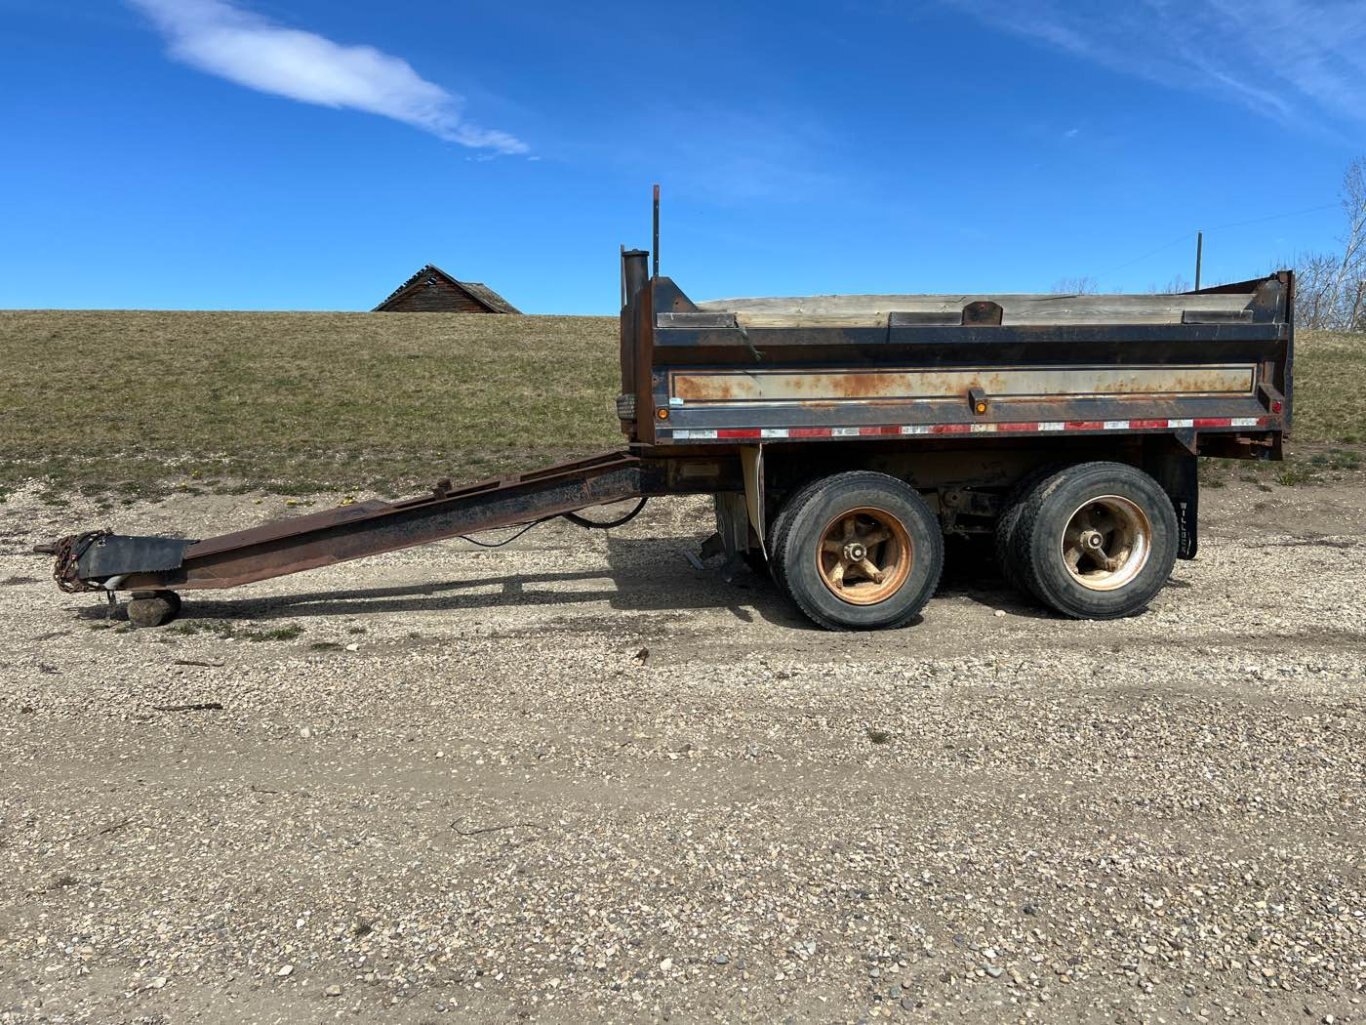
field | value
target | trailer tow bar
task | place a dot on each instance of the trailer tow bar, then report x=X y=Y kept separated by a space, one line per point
x=153 y=569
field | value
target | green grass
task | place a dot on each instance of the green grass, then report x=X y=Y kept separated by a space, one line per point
x=1330 y=400
x=1329 y=423
x=139 y=403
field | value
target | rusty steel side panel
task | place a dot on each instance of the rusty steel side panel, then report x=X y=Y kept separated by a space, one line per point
x=851 y=385
x=725 y=376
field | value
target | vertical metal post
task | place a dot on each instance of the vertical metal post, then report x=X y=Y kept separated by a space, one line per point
x=1199 y=254
x=655 y=248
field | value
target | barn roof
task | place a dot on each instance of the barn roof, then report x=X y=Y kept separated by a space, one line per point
x=479 y=292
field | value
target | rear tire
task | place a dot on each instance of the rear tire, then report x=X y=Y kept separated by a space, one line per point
x=1007 y=527
x=1096 y=540
x=858 y=551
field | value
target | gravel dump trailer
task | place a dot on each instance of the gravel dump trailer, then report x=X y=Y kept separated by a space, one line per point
x=843 y=436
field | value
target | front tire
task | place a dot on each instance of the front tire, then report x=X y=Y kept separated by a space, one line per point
x=1096 y=540
x=859 y=551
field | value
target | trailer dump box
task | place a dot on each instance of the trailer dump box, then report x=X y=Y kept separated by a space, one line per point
x=842 y=436
x=831 y=367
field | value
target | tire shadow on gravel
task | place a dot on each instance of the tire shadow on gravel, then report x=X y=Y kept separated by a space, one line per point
x=971 y=573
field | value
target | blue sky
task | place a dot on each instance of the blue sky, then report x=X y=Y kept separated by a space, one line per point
x=302 y=154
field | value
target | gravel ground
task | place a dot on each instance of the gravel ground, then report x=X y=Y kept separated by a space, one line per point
x=577 y=779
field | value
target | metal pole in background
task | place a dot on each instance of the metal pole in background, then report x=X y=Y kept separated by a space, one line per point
x=1199 y=253
x=655 y=248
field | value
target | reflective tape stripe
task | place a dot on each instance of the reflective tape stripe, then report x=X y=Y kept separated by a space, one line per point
x=890 y=430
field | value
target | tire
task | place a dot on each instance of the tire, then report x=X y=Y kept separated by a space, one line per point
x=1096 y=540
x=782 y=526
x=1007 y=559
x=859 y=551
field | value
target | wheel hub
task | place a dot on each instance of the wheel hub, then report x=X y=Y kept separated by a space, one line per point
x=1107 y=542
x=865 y=556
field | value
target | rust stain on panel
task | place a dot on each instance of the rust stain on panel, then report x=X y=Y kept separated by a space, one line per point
x=725 y=386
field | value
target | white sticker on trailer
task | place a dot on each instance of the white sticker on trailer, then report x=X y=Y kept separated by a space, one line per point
x=1053 y=425
x=694 y=435
x=917 y=429
x=1180 y=423
x=1244 y=421
x=773 y=432
x=844 y=432
x=1116 y=425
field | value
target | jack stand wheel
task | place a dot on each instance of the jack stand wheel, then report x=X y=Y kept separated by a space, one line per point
x=153 y=608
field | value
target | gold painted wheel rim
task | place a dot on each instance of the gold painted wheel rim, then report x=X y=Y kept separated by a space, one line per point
x=864 y=556
x=1106 y=543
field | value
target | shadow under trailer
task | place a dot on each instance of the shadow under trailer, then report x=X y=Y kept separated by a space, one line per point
x=844 y=436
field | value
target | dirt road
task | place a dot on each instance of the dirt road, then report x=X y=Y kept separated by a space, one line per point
x=577 y=779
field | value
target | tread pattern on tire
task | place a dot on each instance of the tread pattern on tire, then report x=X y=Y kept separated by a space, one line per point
x=782 y=526
x=1007 y=559
x=791 y=514
x=1032 y=509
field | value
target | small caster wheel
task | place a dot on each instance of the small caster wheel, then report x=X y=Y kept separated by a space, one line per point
x=153 y=608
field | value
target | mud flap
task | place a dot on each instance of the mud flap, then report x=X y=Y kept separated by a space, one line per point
x=740 y=518
x=1187 y=519
x=1186 y=500
x=1177 y=470
x=752 y=461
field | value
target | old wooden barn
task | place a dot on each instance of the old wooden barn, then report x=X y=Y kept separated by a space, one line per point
x=432 y=290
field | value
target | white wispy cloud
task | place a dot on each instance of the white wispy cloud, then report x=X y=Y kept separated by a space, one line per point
x=222 y=39
x=1292 y=60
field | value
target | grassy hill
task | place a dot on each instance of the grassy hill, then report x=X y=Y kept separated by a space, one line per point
x=136 y=401
x=1330 y=403
x=299 y=401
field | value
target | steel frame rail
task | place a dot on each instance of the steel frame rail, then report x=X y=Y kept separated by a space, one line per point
x=275 y=549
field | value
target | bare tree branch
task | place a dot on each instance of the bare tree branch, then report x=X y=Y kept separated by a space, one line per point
x=1076 y=286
